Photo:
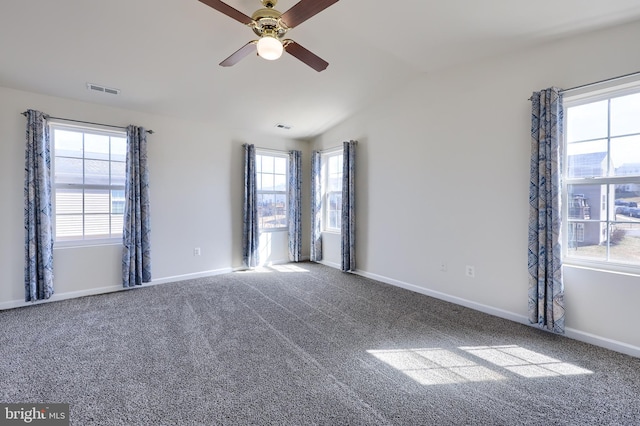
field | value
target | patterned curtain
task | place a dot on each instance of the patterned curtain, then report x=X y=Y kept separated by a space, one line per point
x=295 y=206
x=348 y=207
x=136 y=256
x=250 y=235
x=316 y=207
x=546 y=289
x=38 y=269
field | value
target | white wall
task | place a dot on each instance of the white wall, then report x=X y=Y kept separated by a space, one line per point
x=196 y=178
x=443 y=176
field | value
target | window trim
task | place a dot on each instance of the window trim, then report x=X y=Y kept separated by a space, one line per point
x=324 y=159
x=285 y=155
x=96 y=130
x=576 y=98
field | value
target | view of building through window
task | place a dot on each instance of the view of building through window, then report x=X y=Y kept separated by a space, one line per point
x=333 y=191
x=603 y=179
x=271 y=177
x=88 y=182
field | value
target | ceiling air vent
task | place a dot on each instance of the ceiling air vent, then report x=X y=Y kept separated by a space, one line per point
x=102 y=89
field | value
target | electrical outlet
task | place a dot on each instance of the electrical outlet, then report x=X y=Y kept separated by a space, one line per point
x=471 y=271
x=443 y=266
x=196 y=251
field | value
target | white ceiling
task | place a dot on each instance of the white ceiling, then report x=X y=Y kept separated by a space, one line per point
x=163 y=54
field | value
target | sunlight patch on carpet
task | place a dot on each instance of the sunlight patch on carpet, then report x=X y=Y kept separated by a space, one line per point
x=524 y=362
x=288 y=268
x=435 y=366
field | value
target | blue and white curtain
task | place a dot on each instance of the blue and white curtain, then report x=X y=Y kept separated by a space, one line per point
x=316 y=206
x=38 y=270
x=136 y=235
x=295 y=206
x=546 y=289
x=348 y=230
x=250 y=235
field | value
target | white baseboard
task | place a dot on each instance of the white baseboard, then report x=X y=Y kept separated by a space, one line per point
x=448 y=298
x=603 y=342
x=331 y=264
x=103 y=290
x=193 y=276
x=571 y=333
x=60 y=296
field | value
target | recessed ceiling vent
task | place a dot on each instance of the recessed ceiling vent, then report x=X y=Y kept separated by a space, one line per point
x=283 y=126
x=102 y=89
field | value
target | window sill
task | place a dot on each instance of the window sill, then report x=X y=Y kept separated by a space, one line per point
x=274 y=230
x=85 y=244
x=632 y=271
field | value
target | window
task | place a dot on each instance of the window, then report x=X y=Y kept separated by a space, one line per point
x=88 y=184
x=601 y=185
x=332 y=193
x=271 y=182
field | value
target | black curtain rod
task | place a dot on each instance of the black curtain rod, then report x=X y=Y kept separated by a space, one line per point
x=601 y=81
x=86 y=122
x=606 y=80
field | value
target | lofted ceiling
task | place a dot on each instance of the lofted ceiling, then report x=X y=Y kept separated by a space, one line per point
x=163 y=54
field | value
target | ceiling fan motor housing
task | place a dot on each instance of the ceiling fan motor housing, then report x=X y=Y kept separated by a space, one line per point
x=268 y=21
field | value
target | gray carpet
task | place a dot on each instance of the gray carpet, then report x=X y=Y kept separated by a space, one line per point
x=303 y=345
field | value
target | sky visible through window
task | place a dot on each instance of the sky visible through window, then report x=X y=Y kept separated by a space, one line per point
x=587 y=129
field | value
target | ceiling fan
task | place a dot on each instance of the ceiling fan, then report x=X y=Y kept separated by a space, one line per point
x=271 y=26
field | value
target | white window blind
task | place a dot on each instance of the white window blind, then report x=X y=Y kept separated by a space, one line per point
x=88 y=183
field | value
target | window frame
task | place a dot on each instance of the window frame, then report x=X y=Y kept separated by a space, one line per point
x=83 y=241
x=325 y=157
x=274 y=154
x=608 y=181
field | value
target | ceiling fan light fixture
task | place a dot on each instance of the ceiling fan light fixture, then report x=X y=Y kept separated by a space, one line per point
x=270 y=48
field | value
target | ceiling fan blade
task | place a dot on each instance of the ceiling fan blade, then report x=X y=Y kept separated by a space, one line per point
x=306 y=56
x=228 y=10
x=304 y=10
x=239 y=54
